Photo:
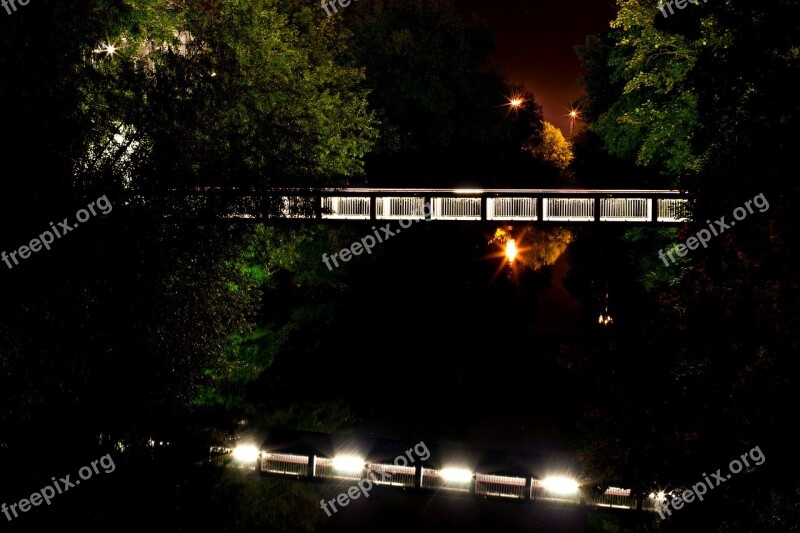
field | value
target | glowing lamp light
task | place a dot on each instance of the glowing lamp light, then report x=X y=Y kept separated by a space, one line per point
x=560 y=485
x=109 y=49
x=348 y=463
x=605 y=320
x=455 y=475
x=516 y=102
x=511 y=250
x=246 y=453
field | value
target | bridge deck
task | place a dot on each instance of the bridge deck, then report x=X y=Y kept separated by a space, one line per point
x=527 y=205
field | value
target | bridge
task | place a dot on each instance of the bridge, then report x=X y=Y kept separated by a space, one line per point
x=445 y=468
x=501 y=205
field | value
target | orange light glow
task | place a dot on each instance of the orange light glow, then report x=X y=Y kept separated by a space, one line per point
x=511 y=250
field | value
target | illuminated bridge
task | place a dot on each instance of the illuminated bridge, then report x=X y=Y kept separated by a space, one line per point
x=523 y=205
x=455 y=469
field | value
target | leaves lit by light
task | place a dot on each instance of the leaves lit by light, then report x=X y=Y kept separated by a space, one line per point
x=509 y=247
x=109 y=49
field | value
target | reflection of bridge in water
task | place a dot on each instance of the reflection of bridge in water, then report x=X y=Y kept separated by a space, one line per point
x=524 y=205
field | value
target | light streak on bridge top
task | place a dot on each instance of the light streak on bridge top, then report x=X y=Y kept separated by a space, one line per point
x=644 y=206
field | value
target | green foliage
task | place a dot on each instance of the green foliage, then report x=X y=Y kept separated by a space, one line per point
x=269 y=259
x=704 y=95
x=553 y=148
x=655 y=117
x=644 y=246
x=237 y=95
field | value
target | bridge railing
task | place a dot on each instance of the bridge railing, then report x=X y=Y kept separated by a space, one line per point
x=503 y=486
x=323 y=468
x=569 y=209
x=457 y=481
x=498 y=205
x=346 y=208
x=456 y=209
x=522 y=209
x=540 y=492
x=433 y=479
x=673 y=210
x=285 y=463
x=400 y=208
x=615 y=498
x=626 y=209
x=391 y=474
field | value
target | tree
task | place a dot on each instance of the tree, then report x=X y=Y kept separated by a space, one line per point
x=442 y=104
x=704 y=98
x=134 y=317
x=656 y=114
x=239 y=98
x=553 y=148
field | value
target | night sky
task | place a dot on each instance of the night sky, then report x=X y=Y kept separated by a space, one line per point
x=535 y=40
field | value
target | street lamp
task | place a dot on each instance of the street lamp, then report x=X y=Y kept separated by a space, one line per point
x=515 y=102
x=573 y=116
